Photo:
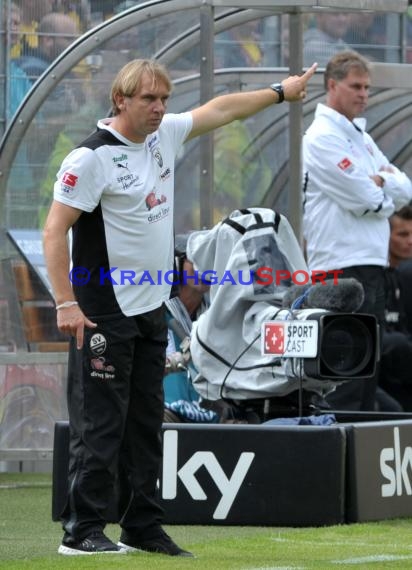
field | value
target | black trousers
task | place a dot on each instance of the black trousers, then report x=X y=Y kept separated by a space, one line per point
x=115 y=402
x=360 y=395
x=395 y=373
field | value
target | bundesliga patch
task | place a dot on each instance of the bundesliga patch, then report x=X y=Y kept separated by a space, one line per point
x=69 y=181
x=345 y=164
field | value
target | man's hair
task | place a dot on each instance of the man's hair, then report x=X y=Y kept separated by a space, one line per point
x=405 y=213
x=342 y=63
x=129 y=79
x=56 y=23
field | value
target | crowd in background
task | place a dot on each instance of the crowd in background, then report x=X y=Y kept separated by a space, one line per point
x=43 y=29
x=36 y=33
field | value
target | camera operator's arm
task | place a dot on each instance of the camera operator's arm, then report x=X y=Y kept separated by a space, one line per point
x=176 y=361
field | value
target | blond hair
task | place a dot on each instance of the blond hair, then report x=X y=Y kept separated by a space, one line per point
x=129 y=79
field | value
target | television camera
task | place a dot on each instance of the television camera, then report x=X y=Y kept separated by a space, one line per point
x=227 y=345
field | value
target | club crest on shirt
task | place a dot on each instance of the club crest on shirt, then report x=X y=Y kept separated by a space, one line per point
x=157 y=155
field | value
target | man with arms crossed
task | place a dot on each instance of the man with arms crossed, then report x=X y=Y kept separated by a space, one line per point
x=350 y=190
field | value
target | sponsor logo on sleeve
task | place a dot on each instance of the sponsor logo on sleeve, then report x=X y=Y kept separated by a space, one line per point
x=346 y=165
x=69 y=182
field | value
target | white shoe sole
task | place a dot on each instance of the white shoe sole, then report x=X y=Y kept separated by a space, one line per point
x=128 y=548
x=74 y=552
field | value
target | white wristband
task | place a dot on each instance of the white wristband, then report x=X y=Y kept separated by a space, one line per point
x=66 y=305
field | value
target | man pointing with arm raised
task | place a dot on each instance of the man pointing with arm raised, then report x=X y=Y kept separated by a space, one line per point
x=115 y=193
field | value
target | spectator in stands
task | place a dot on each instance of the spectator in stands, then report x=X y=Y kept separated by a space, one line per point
x=366 y=34
x=325 y=39
x=137 y=41
x=107 y=8
x=181 y=399
x=241 y=172
x=284 y=36
x=240 y=46
x=55 y=33
x=18 y=83
x=78 y=10
x=395 y=375
x=350 y=190
x=400 y=244
x=32 y=11
x=240 y=166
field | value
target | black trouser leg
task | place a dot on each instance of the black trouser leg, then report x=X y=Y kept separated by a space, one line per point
x=114 y=389
x=141 y=452
x=361 y=394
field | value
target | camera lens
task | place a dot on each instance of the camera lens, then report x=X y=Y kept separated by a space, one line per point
x=346 y=347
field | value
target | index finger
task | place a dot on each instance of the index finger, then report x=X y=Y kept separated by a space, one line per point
x=79 y=336
x=309 y=72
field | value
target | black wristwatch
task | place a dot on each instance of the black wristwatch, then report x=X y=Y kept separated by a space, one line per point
x=279 y=90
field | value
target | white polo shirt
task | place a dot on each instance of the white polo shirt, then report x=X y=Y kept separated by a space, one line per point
x=124 y=237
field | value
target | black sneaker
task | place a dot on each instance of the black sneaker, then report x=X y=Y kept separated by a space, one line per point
x=161 y=544
x=95 y=543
